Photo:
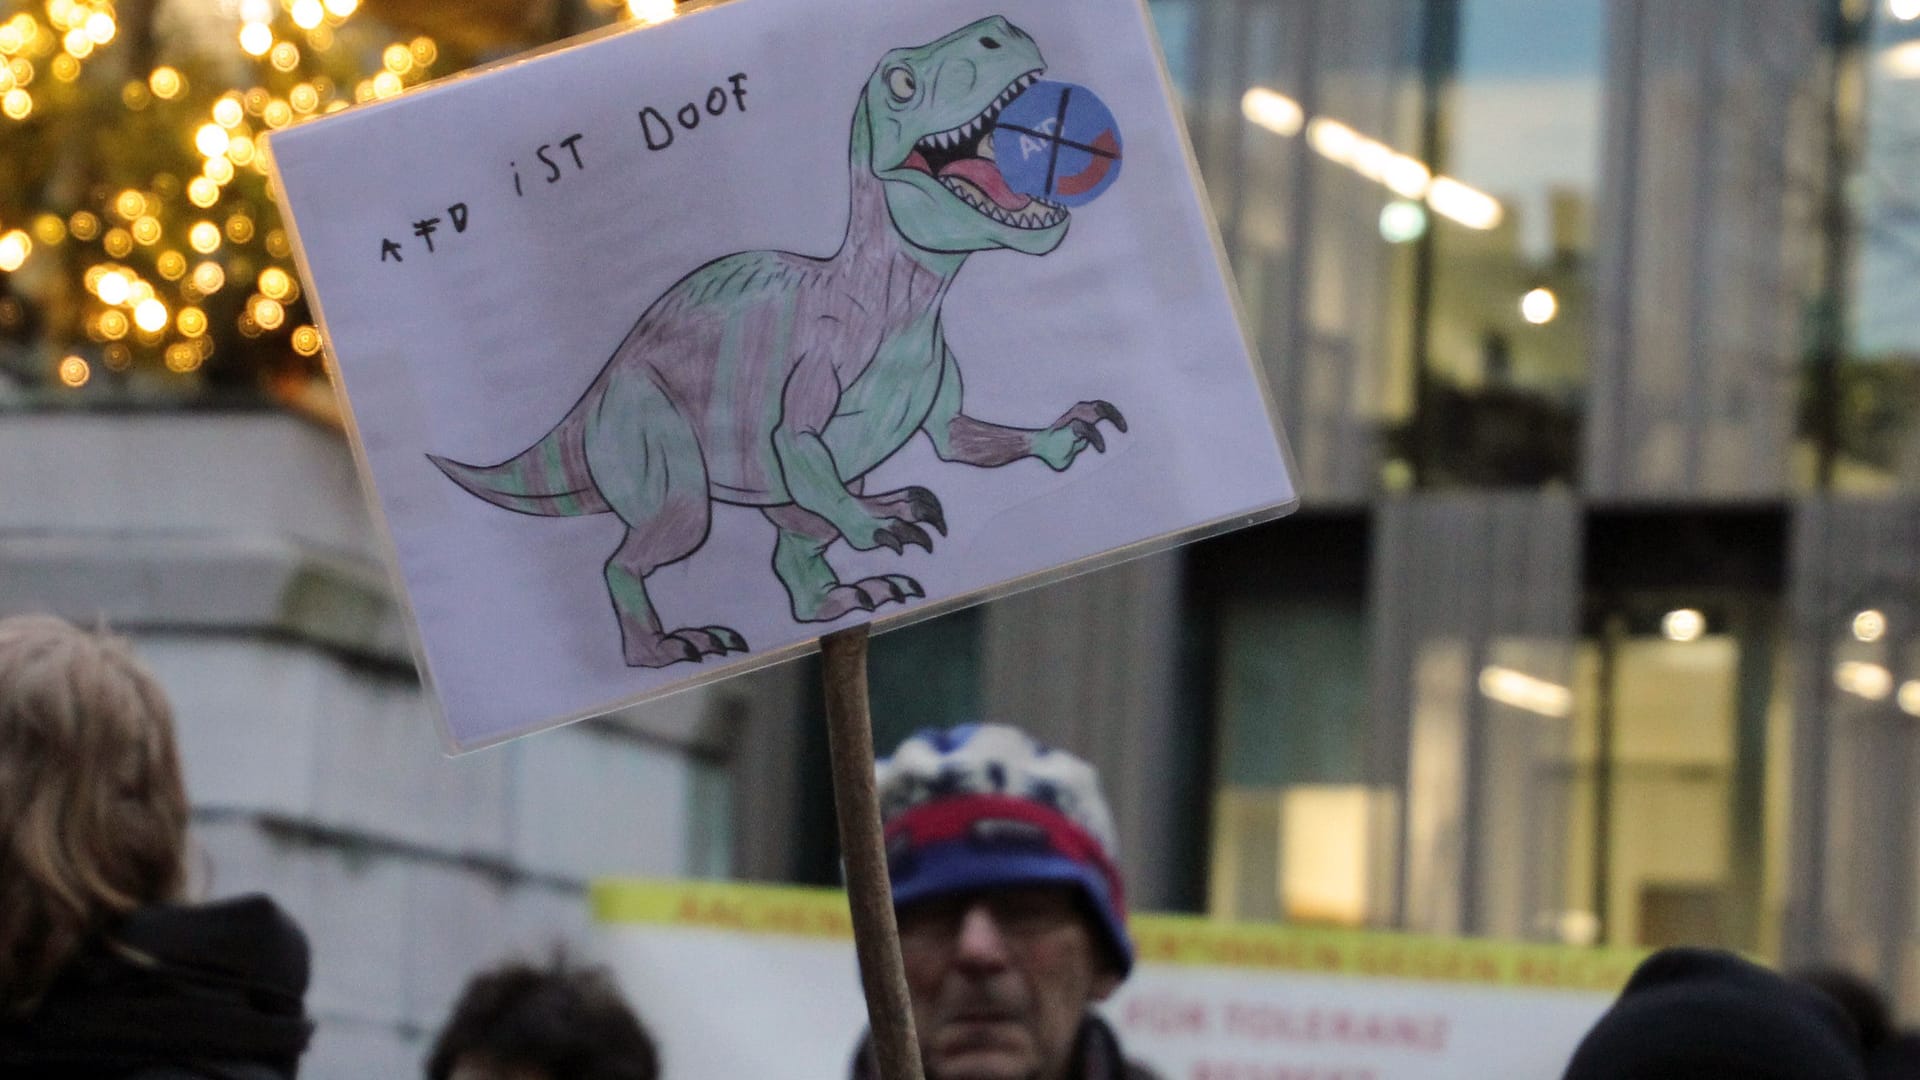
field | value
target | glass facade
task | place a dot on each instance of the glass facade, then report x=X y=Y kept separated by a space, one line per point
x=1589 y=319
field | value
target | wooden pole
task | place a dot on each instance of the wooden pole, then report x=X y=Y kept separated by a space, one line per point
x=856 y=802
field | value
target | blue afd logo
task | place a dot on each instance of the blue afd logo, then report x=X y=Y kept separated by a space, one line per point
x=1057 y=141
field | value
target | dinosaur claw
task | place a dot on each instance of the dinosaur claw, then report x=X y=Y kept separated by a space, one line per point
x=910 y=533
x=1090 y=433
x=907 y=585
x=729 y=640
x=927 y=508
x=1105 y=411
x=885 y=538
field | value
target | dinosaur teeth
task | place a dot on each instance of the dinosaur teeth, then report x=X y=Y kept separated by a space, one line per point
x=1038 y=214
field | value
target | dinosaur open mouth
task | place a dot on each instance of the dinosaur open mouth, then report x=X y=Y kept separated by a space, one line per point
x=961 y=158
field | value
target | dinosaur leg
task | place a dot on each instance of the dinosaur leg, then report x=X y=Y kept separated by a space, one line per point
x=816 y=592
x=646 y=462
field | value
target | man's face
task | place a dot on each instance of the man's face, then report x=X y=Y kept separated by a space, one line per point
x=1000 y=981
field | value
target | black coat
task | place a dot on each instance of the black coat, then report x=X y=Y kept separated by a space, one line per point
x=203 y=992
x=1096 y=1056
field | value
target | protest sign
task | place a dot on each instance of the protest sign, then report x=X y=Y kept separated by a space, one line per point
x=661 y=362
x=1208 y=1000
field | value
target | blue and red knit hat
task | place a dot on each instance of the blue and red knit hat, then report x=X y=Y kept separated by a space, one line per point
x=985 y=805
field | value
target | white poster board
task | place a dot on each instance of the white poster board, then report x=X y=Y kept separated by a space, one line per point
x=653 y=346
x=738 y=980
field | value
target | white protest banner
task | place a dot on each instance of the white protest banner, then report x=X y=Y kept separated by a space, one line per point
x=661 y=361
x=742 y=980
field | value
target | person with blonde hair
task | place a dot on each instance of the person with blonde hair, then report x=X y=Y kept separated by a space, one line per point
x=105 y=970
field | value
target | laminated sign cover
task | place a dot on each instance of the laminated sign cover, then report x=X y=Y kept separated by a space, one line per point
x=669 y=351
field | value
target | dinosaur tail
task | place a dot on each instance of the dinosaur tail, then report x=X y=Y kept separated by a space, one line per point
x=549 y=478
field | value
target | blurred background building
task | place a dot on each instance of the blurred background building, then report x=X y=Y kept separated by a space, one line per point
x=1594 y=328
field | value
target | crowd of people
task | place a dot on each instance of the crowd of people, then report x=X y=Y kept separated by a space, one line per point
x=1010 y=903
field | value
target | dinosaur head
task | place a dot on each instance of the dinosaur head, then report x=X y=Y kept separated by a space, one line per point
x=926 y=122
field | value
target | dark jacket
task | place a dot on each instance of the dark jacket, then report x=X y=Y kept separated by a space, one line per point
x=1701 y=1014
x=203 y=992
x=1096 y=1056
x=1896 y=1059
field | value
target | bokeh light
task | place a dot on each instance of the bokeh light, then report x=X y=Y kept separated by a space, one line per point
x=256 y=39
x=14 y=249
x=100 y=27
x=182 y=357
x=165 y=82
x=150 y=315
x=1539 y=306
x=75 y=371
x=208 y=277
x=113 y=287
x=274 y=283
x=267 y=312
x=650 y=11
x=211 y=140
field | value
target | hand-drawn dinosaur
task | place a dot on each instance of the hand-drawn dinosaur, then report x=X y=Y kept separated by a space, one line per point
x=776 y=380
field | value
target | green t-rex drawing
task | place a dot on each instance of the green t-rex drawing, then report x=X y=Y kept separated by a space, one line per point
x=776 y=380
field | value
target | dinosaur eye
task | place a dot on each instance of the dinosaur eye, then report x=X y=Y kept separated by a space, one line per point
x=900 y=83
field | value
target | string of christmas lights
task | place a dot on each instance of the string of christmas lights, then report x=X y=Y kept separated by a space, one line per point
x=137 y=232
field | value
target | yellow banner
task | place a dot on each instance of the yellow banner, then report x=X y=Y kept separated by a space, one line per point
x=1185 y=940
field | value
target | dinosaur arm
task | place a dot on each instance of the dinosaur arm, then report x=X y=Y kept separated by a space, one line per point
x=813 y=478
x=959 y=437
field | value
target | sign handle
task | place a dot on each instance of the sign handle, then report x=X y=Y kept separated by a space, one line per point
x=876 y=936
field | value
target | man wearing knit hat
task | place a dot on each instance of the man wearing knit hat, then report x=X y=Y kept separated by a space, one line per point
x=1700 y=1014
x=1012 y=912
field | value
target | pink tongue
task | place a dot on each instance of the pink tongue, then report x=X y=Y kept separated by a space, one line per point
x=984 y=175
